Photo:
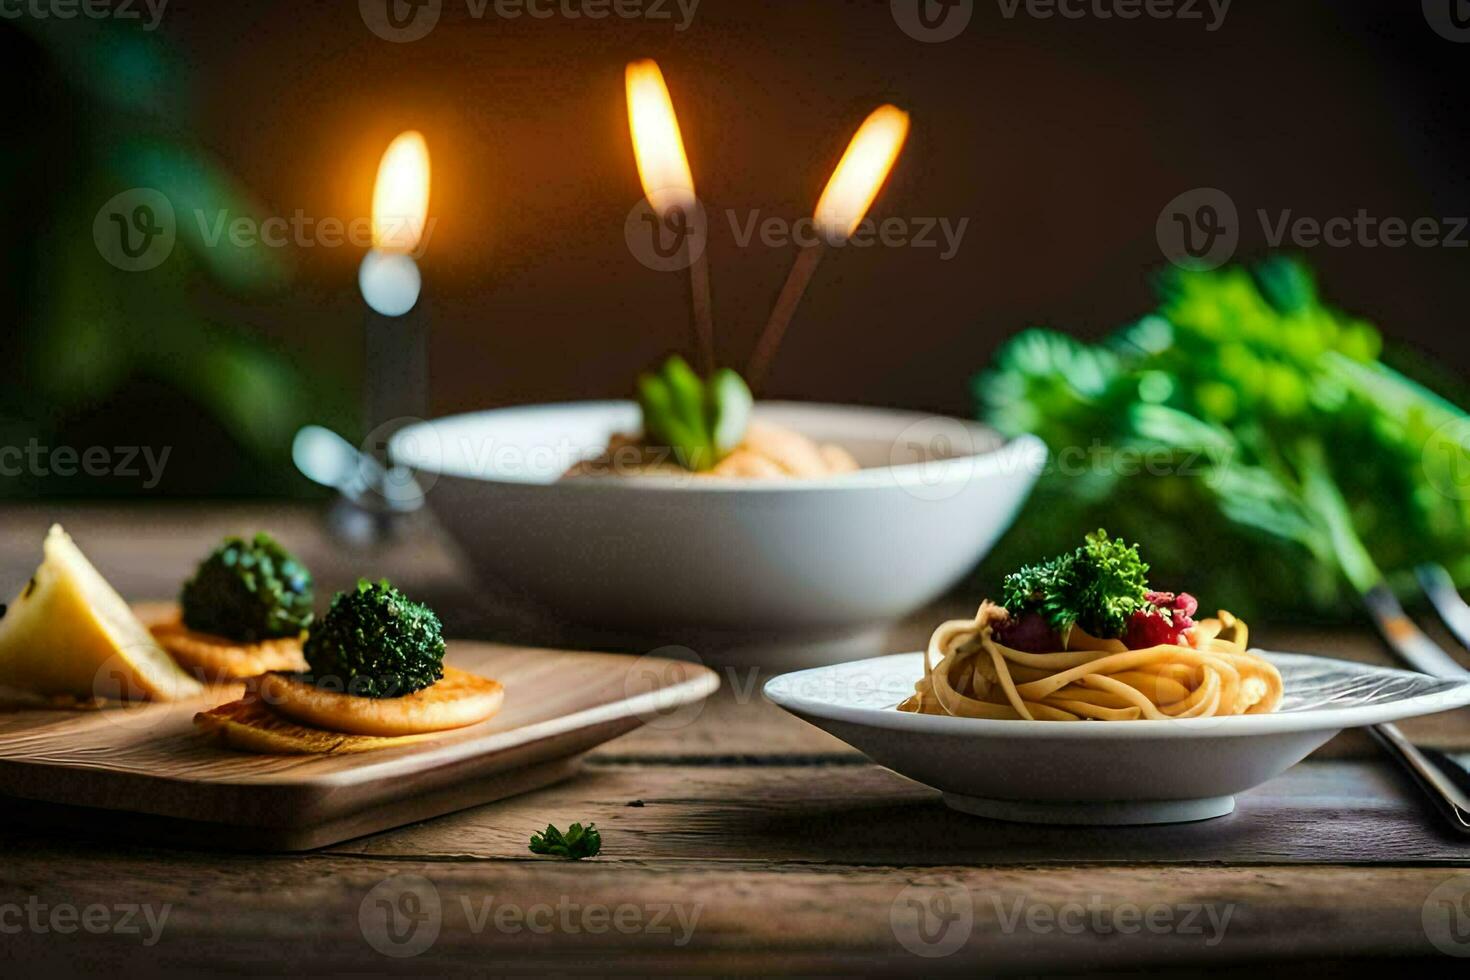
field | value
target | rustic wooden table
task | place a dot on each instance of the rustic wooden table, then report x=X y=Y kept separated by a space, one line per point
x=742 y=841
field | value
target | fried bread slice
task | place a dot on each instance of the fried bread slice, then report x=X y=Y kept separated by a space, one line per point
x=217 y=658
x=249 y=724
x=458 y=699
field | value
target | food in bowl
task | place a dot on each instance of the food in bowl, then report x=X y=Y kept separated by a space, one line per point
x=1083 y=637
x=704 y=427
x=781 y=571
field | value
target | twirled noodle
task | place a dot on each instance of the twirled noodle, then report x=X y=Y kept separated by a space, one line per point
x=969 y=675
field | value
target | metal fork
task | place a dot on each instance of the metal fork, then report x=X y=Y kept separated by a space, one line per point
x=1444 y=779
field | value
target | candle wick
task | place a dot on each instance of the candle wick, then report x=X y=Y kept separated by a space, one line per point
x=796 y=282
x=699 y=291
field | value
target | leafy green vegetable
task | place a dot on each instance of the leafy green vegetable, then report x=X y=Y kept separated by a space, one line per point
x=228 y=395
x=248 y=591
x=577 y=843
x=1251 y=433
x=730 y=406
x=1097 y=586
x=375 y=642
x=701 y=421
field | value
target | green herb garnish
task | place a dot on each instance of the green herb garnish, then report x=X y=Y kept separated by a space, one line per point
x=375 y=642
x=701 y=421
x=577 y=843
x=248 y=591
x=1098 y=586
x=1246 y=420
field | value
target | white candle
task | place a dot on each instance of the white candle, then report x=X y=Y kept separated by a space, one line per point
x=395 y=368
x=389 y=281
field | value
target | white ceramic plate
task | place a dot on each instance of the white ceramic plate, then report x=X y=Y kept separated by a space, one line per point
x=1103 y=772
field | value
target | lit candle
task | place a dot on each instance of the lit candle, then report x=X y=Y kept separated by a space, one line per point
x=395 y=381
x=663 y=170
x=843 y=205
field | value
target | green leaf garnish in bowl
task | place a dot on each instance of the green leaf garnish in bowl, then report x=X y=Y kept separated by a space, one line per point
x=701 y=420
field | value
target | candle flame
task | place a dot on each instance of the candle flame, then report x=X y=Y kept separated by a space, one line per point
x=861 y=172
x=662 y=166
x=401 y=194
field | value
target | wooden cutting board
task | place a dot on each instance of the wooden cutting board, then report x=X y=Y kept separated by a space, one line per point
x=146 y=770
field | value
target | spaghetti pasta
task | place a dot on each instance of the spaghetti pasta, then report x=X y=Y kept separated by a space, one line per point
x=1209 y=673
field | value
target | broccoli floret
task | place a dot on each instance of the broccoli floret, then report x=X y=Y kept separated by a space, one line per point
x=1114 y=581
x=1098 y=586
x=375 y=642
x=248 y=591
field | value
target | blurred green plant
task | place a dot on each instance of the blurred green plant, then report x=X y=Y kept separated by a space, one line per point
x=105 y=110
x=1250 y=435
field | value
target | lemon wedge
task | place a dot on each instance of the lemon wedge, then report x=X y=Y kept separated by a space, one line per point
x=70 y=633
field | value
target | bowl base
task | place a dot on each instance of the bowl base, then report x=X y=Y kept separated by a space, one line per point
x=1110 y=813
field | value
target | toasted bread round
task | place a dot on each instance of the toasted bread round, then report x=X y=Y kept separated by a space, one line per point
x=217 y=659
x=458 y=699
x=249 y=725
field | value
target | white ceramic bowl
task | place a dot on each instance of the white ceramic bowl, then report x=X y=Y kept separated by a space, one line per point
x=708 y=560
x=1122 y=772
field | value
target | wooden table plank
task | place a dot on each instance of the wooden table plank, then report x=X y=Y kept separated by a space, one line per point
x=320 y=915
x=1339 y=813
x=793 y=852
x=1329 y=813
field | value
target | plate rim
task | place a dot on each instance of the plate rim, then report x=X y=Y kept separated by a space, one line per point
x=777 y=690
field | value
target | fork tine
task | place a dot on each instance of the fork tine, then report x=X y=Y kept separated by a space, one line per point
x=1415 y=648
x=1433 y=771
x=1407 y=640
x=1437 y=583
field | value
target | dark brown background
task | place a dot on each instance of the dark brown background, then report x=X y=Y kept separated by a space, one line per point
x=1060 y=140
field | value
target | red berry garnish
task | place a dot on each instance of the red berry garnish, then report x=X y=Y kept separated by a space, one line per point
x=1166 y=616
